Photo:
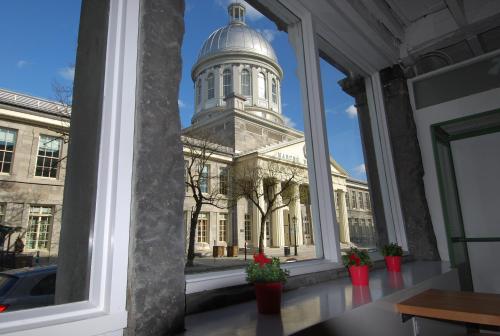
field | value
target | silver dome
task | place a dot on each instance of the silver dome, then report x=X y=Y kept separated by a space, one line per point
x=237 y=37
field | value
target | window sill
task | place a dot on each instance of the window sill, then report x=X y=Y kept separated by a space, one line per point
x=214 y=280
x=317 y=304
x=62 y=320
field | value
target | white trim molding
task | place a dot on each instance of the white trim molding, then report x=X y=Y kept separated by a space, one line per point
x=104 y=312
x=385 y=163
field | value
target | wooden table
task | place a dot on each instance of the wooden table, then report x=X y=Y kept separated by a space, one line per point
x=479 y=308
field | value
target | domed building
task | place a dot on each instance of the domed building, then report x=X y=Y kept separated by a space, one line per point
x=237 y=81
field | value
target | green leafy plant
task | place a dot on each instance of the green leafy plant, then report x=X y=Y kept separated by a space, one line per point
x=392 y=250
x=263 y=269
x=356 y=257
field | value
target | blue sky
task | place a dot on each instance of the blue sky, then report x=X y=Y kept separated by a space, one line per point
x=39 y=47
x=204 y=16
x=39 y=41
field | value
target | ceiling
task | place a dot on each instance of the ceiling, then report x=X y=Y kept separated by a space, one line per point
x=368 y=35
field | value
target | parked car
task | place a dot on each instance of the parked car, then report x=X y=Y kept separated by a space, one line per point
x=26 y=288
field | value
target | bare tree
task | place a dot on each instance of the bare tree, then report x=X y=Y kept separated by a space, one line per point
x=199 y=183
x=268 y=186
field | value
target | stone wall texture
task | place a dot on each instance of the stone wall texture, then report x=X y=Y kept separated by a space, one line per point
x=156 y=282
x=408 y=165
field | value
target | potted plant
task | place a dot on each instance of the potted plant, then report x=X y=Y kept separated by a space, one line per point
x=268 y=279
x=392 y=254
x=358 y=262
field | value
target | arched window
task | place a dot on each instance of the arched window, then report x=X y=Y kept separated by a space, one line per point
x=227 y=81
x=261 y=83
x=198 y=92
x=246 y=83
x=274 y=91
x=211 y=86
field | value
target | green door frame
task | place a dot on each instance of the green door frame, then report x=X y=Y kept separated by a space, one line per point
x=448 y=189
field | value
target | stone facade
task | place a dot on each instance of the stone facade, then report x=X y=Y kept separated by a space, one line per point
x=21 y=190
x=249 y=121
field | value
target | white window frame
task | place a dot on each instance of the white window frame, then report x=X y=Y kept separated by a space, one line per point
x=104 y=313
x=58 y=169
x=39 y=215
x=227 y=82
x=15 y=131
x=302 y=36
x=248 y=84
x=210 y=86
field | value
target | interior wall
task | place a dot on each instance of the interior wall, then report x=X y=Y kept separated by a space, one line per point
x=477 y=165
x=424 y=118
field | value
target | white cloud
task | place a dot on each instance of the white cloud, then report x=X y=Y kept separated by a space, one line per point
x=22 y=63
x=67 y=73
x=251 y=13
x=269 y=34
x=288 y=122
x=352 y=111
x=360 y=169
x=181 y=103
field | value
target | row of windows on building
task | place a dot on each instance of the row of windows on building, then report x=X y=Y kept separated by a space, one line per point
x=358 y=200
x=362 y=231
x=202 y=227
x=246 y=86
x=48 y=156
x=204 y=178
x=37 y=234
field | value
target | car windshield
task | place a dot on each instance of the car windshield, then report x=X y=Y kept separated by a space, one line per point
x=6 y=282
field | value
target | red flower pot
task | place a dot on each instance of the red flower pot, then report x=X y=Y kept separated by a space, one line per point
x=268 y=297
x=359 y=275
x=393 y=263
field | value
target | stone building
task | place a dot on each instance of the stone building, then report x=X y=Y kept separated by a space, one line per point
x=33 y=147
x=238 y=102
x=237 y=81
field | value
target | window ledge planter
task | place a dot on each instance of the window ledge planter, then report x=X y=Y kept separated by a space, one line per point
x=268 y=279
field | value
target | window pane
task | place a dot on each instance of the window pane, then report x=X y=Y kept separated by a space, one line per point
x=227 y=82
x=7 y=144
x=261 y=82
x=245 y=83
x=37 y=85
x=48 y=156
x=211 y=86
x=265 y=150
x=354 y=215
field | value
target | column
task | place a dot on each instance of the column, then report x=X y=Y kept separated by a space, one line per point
x=295 y=212
x=278 y=229
x=343 y=220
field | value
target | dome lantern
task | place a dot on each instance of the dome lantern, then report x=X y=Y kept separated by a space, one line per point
x=236 y=13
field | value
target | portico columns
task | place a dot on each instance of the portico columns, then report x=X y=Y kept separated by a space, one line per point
x=278 y=233
x=343 y=220
x=294 y=208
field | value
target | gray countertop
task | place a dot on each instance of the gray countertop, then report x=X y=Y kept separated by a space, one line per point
x=310 y=305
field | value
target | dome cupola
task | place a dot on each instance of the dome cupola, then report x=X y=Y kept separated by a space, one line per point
x=237 y=61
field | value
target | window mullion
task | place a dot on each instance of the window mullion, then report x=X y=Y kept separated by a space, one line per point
x=302 y=37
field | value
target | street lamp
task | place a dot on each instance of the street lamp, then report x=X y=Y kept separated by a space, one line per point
x=294 y=219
